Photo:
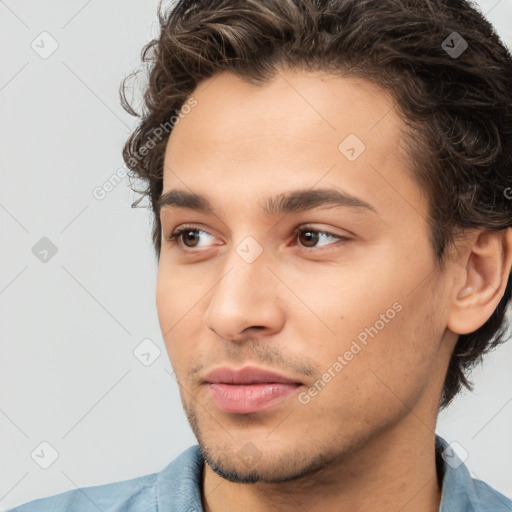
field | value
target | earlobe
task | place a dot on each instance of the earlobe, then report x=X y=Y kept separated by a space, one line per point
x=486 y=270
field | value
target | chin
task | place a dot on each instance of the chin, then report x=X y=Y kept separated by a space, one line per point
x=248 y=465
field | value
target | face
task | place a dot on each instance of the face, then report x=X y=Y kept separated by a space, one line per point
x=307 y=256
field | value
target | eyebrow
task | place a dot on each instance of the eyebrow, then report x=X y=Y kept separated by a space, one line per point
x=291 y=202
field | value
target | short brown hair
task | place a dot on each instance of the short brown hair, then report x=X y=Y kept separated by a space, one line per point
x=442 y=61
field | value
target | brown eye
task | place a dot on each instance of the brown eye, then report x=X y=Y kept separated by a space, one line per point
x=308 y=238
x=314 y=240
x=189 y=237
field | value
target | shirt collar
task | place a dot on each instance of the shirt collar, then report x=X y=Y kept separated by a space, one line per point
x=179 y=484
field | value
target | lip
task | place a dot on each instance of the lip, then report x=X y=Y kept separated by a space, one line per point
x=249 y=389
x=246 y=375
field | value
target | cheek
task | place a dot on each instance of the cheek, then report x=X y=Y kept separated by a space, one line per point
x=178 y=293
x=372 y=324
x=179 y=325
x=367 y=385
x=394 y=364
x=343 y=303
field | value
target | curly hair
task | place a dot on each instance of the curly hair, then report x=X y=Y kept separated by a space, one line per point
x=442 y=61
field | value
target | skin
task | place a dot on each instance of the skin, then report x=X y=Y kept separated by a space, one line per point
x=366 y=440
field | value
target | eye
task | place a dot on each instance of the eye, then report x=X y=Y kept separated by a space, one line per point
x=189 y=236
x=309 y=237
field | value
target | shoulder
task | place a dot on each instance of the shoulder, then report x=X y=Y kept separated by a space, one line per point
x=489 y=499
x=460 y=490
x=140 y=494
x=129 y=495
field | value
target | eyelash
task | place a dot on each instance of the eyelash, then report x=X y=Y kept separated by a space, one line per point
x=173 y=238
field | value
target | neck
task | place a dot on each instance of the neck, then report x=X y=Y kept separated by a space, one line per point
x=393 y=471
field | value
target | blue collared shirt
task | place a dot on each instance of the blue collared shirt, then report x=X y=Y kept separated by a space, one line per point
x=177 y=488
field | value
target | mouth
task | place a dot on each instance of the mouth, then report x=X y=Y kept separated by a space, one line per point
x=248 y=389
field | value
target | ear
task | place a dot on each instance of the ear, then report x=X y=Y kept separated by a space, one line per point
x=482 y=281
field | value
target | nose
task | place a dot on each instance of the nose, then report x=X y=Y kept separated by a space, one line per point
x=245 y=302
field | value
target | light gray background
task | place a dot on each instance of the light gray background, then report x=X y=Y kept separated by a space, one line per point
x=68 y=375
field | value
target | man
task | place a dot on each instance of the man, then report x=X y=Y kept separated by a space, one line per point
x=334 y=238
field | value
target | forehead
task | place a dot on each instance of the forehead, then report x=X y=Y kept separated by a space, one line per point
x=294 y=104
x=297 y=129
